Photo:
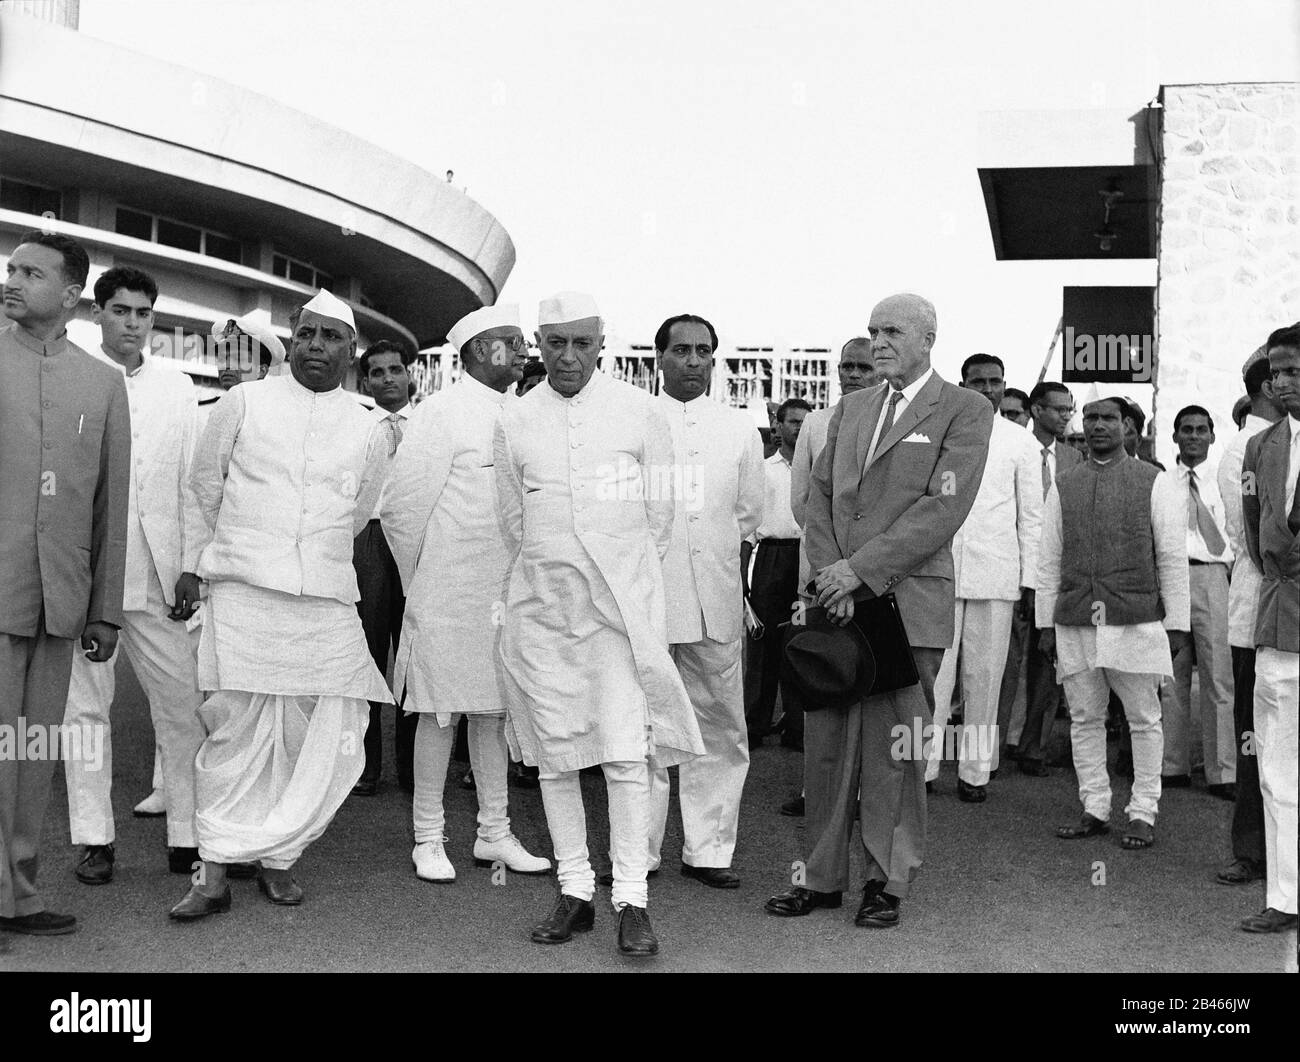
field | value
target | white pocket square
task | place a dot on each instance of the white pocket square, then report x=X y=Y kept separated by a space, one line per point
x=918 y=437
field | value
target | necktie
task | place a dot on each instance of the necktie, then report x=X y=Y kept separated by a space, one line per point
x=1047 y=471
x=394 y=422
x=894 y=398
x=1199 y=518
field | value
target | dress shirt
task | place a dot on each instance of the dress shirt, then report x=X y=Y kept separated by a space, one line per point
x=1207 y=485
x=381 y=415
x=1243 y=587
x=1140 y=648
x=1050 y=451
x=778 y=518
x=909 y=395
x=1293 y=462
x=164 y=418
x=720 y=495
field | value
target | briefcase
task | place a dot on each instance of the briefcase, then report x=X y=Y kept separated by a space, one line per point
x=882 y=623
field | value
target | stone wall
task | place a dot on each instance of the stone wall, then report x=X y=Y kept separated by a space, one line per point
x=1228 y=242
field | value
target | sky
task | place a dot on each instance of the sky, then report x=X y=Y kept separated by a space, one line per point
x=775 y=167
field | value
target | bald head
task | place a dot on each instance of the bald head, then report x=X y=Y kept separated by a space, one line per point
x=857 y=366
x=902 y=334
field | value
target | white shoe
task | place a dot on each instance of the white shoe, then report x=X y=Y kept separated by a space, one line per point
x=431 y=863
x=152 y=806
x=512 y=853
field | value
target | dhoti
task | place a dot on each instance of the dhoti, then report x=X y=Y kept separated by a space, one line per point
x=293 y=680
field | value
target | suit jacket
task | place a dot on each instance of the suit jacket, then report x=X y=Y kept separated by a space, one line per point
x=1273 y=548
x=65 y=478
x=893 y=520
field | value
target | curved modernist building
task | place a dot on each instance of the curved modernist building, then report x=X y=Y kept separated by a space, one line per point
x=233 y=202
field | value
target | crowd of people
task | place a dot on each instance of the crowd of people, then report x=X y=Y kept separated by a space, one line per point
x=578 y=574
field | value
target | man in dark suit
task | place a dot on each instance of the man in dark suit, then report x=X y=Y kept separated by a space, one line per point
x=65 y=433
x=1051 y=405
x=899 y=472
x=1270 y=509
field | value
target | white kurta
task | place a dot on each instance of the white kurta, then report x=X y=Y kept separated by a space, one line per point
x=584 y=486
x=719 y=503
x=995 y=550
x=1140 y=648
x=439 y=514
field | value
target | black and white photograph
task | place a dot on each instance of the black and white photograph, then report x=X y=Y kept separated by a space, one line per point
x=650 y=487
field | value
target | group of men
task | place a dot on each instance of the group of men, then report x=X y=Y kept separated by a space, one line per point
x=567 y=572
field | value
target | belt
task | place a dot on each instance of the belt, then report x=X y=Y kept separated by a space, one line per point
x=1193 y=560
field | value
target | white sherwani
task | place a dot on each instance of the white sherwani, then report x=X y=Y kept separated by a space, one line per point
x=994 y=554
x=162 y=540
x=719 y=502
x=285 y=478
x=585 y=493
x=439 y=514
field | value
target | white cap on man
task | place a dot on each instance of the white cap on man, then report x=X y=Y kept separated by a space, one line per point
x=327 y=304
x=566 y=306
x=256 y=324
x=480 y=321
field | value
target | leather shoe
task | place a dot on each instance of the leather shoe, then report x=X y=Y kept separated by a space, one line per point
x=971 y=794
x=1033 y=768
x=182 y=860
x=635 y=937
x=714 y=877
x=879 y=910
x=280 y=888
x=571 y=915
x=40 y=924
x=1223 y=790
x=96 y=866
x=195 y=905
x=366 y=787
x=1240 y=872
x=241 y=871
x=794 y=807
x=1175 y=781
x=801 y=901
x=1269 y=920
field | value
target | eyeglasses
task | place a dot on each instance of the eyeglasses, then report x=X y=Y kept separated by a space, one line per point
x=514 y=344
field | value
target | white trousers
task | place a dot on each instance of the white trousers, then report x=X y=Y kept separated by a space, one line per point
x=488 y=758
x=162 y=653
x=1277 y=702
x=1089 y=693
x=981 y=634
x=708 y=787
x=273 y=771
x=1209 y=586
x=628 y=787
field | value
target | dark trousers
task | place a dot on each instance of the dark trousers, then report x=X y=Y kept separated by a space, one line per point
x=1042 y=699
x=381 y=607
x=773 y=589
x=1248 y=811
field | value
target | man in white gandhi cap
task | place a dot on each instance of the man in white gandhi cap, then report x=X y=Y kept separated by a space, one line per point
x=441 y=495
x=583 y=471
x=288 y=471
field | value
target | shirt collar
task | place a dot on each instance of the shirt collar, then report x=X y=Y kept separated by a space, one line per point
x=99 y=354
x=1294 y=422
x=911 y=390
x=478 y=387
x=382 y=414
x=294 y=385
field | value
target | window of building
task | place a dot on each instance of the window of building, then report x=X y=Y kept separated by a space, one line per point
x=173 y=233
x=29 y=198
x=300 y=272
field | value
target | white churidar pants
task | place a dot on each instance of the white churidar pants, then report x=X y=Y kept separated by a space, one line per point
x=1088 y=693
x=162 y=653
x=628 y=786
x=708 y=787
x=273 y=771
x=982 y=632
x=487 y=757
x=1277 y=702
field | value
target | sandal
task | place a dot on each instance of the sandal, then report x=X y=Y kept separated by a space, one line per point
x=1089 y=826
x=1138 y=835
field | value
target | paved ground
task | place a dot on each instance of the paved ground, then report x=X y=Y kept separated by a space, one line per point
x=998 y=893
